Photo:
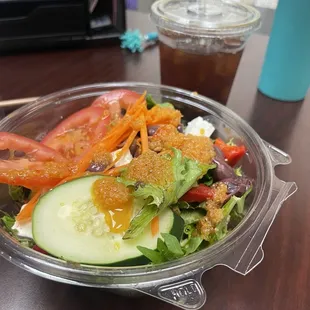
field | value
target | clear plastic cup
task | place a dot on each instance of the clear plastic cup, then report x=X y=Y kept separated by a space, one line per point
x=201 y=43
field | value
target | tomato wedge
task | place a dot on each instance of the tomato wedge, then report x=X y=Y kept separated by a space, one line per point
x=33 y=149
x=73 y=136
x=198 y=194
x=116 y=100
x=33 y=175
x=232 y=153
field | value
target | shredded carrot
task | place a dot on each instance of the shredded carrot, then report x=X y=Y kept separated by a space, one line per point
x=155 y=226
x=26 y=213
x=131 y=110
x=124 y=149
x=144 y=137
x=115 y=171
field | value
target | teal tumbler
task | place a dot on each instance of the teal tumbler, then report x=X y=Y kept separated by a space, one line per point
x=286 y=71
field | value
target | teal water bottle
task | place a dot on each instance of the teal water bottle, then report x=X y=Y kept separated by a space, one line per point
x=286 y=70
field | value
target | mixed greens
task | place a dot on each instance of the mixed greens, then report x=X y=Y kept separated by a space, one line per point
x=120 y=183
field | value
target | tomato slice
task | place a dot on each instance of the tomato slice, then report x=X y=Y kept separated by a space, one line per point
x=73 y=136
x=88 y=116
x=198 y=194
x=232 y=153
x=116 y=100
x=33 y=149
x=33 y=175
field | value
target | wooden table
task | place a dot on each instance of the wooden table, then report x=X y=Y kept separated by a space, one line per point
x=280 y=282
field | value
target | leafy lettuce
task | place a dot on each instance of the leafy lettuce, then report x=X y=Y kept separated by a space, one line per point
x=150 y=102
x=156 y=198
x=8 y=223
x=19 y=194
x=233 y=207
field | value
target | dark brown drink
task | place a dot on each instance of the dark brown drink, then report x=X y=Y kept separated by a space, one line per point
x=201 y=43
x=211 y=75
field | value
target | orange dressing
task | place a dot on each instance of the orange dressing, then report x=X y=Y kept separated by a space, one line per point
x=199 y=148
x=151 y=168
x=115 y=201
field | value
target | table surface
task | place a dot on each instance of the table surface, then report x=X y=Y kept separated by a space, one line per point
x=281 y=281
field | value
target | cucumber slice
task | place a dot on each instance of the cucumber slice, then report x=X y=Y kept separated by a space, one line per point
x=57 y=228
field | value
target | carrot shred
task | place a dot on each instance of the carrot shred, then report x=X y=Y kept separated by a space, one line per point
x=155 y=226
x=114 y=172
x=26 y=213
x=137 y=104
x=124 y=149
x=144 y=137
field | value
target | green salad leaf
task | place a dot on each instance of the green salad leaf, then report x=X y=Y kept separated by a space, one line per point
x=8 y=223
x=168 y=248
x=192 y=216
x=154 y=256
x=156 y=198
x=241 y=201
x=192 y=245
x=238 y=171
x=233 y=207
x=19 y=194
x=207 y=179
x=173 y=244
x=150 y=103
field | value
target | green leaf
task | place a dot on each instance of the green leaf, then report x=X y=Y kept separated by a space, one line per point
x=163 y=250
x=192 y=245
x=234 y=206
x=192 y=216
x=157 y=198
x=19 y=194
x=140 y=221
x=238 y=171
x=151 y=193
x=150 y=102
x=241 y=201
x=229 y=205
x=154 y=256
x=170 y=248
x=207 y=179
x=189 y=229
x=166 y=105
x=173 y=244
x=186 y=172
x=183 y=205
x=8 y=222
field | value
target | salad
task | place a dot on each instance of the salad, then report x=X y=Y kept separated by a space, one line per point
x=124 y=182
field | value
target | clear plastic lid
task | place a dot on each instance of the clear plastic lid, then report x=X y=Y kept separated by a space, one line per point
x=205 y=18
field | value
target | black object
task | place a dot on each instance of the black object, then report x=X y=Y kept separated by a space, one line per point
x=27 y=24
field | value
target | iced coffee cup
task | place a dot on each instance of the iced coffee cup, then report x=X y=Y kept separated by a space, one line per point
x=201 y=43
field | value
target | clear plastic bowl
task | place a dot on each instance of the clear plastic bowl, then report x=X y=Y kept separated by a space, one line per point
x=176 y=282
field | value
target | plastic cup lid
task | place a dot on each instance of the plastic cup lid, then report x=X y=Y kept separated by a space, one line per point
x=205 y=18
